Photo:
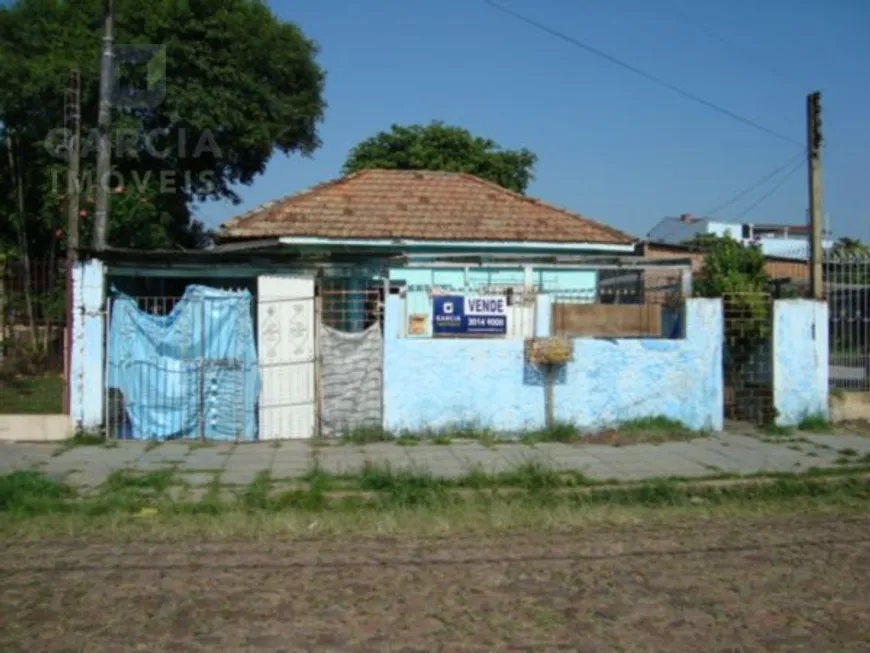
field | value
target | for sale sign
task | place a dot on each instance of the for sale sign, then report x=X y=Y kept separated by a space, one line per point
x=458 y=315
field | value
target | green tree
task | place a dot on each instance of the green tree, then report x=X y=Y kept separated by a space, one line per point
x=441 y=147
x=729 y=267
x=240 y=85
x=850 y=246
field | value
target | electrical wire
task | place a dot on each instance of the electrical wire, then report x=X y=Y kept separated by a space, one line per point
x=757 y=184
x=772 y=190
x=718 y=36
x=637 y=71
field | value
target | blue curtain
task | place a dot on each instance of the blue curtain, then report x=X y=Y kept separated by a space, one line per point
x=192 y=371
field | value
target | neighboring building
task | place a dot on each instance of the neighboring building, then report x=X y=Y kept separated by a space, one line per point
x=783 y=269
x=784 y=241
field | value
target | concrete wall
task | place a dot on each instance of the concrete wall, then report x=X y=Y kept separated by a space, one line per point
x=439 y=382
x=34 y=428
x=800 y=360
x=87 y=358
x=617 y=380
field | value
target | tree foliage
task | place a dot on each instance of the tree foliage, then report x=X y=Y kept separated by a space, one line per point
x=235 y=74
x=437 y=146
x=730 y=267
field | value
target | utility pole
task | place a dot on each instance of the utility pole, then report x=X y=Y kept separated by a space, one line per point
x=73 y=119
x=814 y=170
x=104 y=124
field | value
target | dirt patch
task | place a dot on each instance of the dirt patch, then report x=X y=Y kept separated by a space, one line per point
x=771 y=585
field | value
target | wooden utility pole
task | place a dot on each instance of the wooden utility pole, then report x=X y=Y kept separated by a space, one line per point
x=73 y=124
x=104 y=125
x=814 y=170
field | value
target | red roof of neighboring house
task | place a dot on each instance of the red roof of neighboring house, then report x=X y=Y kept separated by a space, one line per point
x=417 y=205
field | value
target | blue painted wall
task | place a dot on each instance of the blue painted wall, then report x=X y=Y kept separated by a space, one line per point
x=87 y=358
x=437 y=383
x=624 y=379
x=800 y=360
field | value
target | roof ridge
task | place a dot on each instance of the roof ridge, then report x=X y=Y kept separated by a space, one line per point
x=387 y=198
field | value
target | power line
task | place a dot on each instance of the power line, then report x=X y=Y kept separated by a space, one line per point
x=757 y=184
x=718 y=36
x=771 y=191
x=637 y=71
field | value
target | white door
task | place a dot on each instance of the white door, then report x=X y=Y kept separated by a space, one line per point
x=286 y=350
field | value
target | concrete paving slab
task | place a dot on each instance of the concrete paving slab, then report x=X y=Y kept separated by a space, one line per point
x=393 y=455
x=554 y=450
x=601 y=472
x=660 y=471
x=239 y=476
x=523 y=455
x=248 y=462
x=204 y=462
x=489 y=465
x=91 y=478
x=253 y=448
x=292 y=446
x=197 y=479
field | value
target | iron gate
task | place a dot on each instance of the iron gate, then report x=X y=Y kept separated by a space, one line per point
x=748 y=357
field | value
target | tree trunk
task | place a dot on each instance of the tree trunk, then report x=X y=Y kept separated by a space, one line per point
x=23 y=244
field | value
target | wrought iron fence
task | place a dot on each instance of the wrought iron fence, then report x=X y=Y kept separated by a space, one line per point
x=350 y=309
x=747 y=357
x=847 y=289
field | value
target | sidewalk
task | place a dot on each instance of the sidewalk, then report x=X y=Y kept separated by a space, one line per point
x=89 y=466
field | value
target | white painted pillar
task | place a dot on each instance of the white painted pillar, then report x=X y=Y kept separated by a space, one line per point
x=88 y=355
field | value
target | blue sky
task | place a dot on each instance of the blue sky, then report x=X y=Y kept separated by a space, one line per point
x=611 y=145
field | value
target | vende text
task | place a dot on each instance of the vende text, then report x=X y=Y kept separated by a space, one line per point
x=484 y=306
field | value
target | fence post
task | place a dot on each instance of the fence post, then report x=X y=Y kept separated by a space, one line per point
x=686 y=282
x=543 y=316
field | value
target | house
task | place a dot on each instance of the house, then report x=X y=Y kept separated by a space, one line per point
x=783 y=241
x=778 y=268
x=454 y=231
x=277 y=330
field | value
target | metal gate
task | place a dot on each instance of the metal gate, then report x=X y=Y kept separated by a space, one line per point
x=748 y=357
x=286 y=349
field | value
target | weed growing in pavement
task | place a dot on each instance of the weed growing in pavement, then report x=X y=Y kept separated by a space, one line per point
x=816 y=423
x=365 y=435
x=774 y=429
x=195 y=446
x=557 y=432
x=81 y=439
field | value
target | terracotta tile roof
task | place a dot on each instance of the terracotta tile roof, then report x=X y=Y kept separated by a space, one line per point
x=417 y=205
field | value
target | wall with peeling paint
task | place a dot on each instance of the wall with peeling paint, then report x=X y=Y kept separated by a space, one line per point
x=442 y=382
x=800 y=360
